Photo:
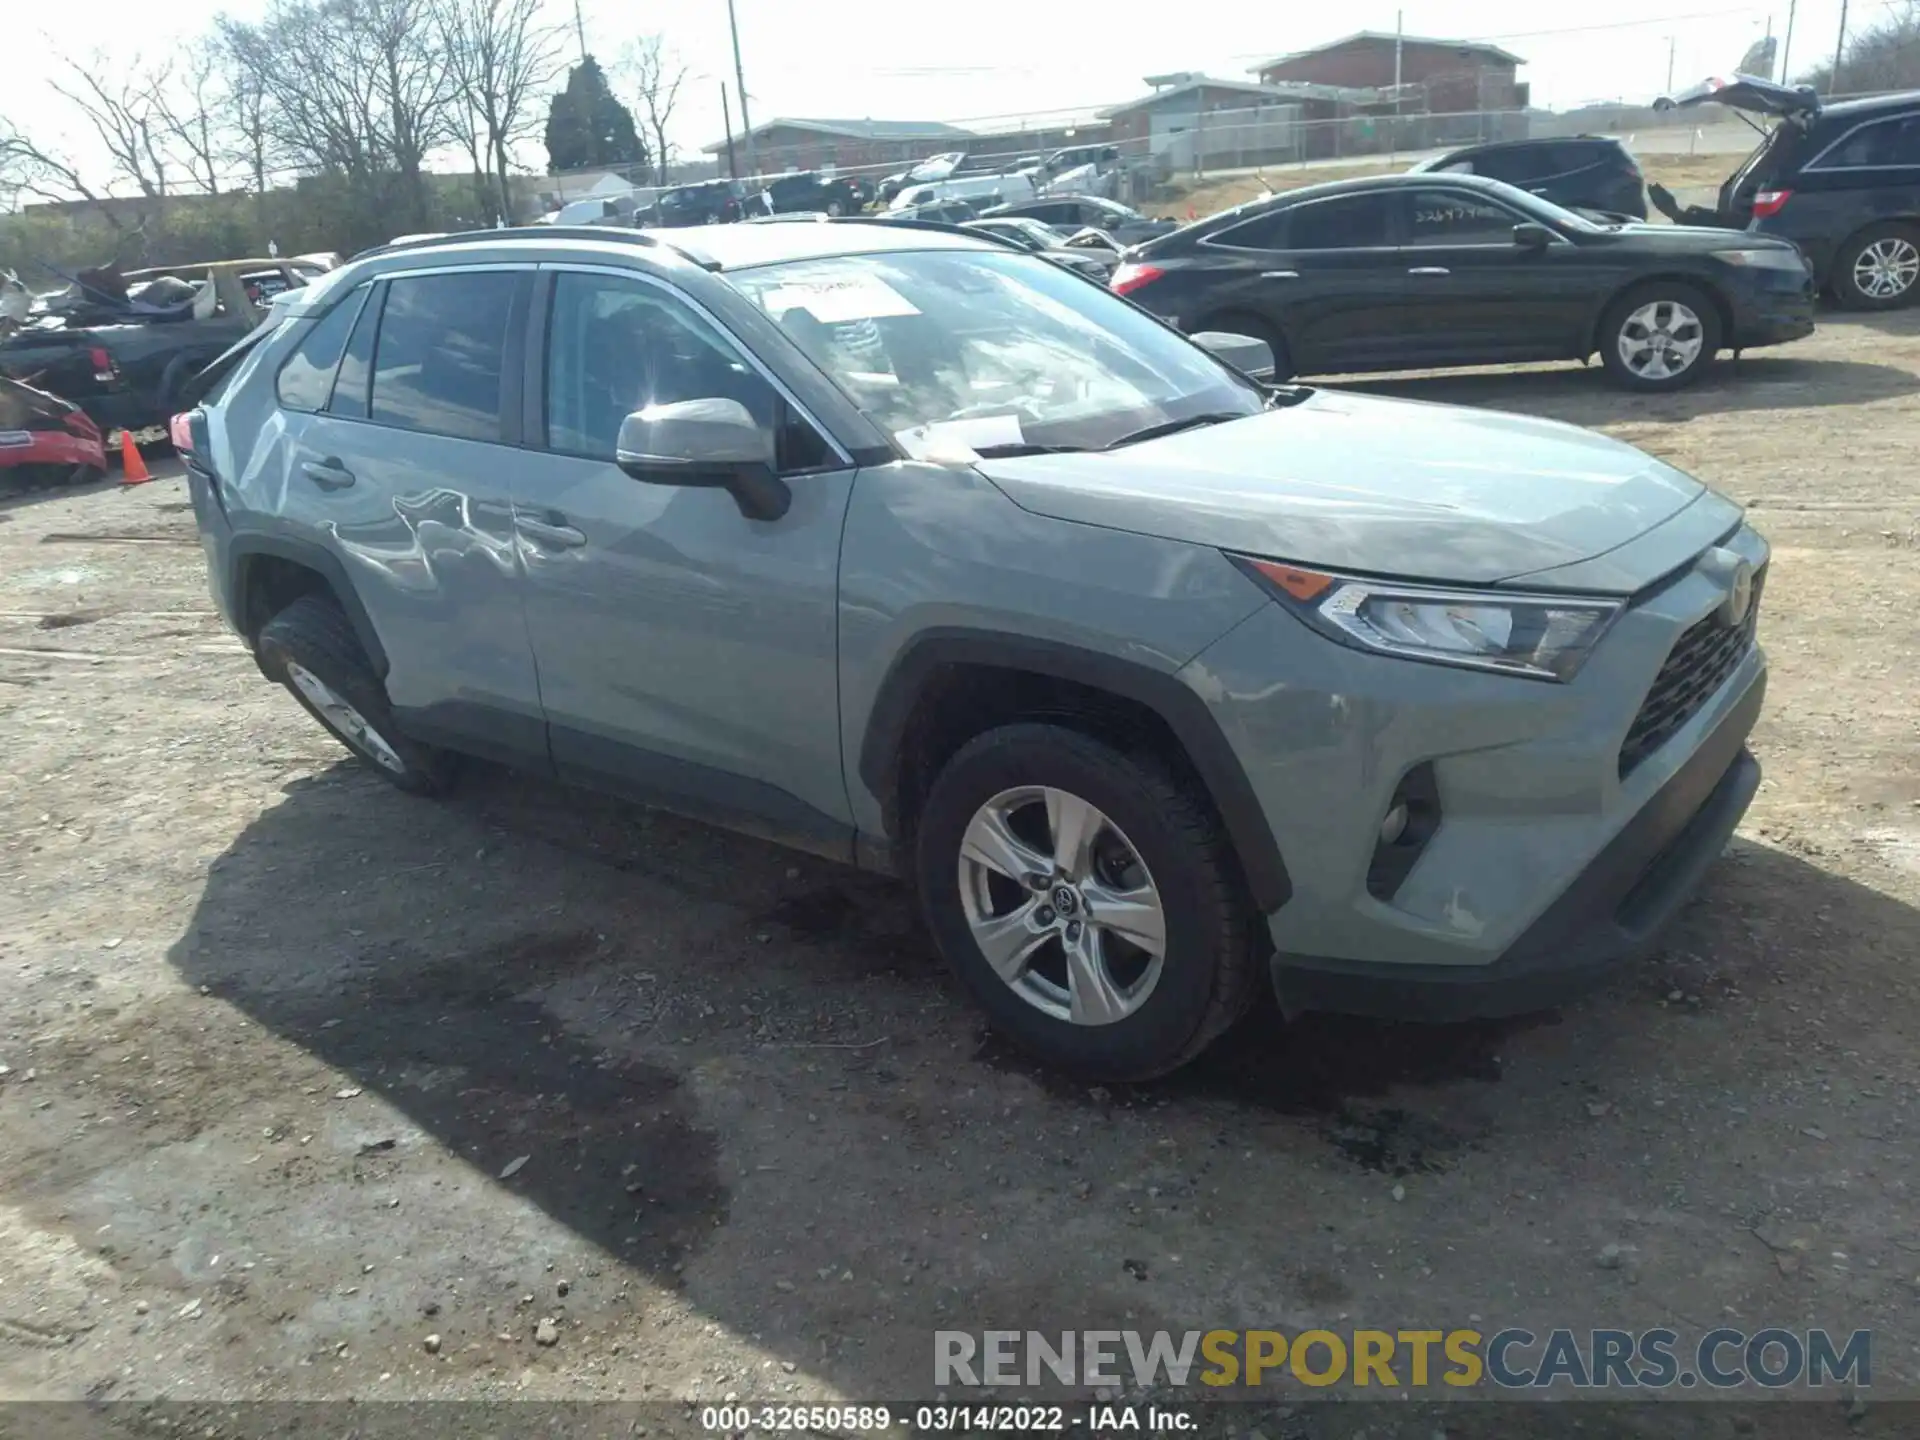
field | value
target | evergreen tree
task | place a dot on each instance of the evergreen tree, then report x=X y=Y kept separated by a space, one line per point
x=587 y=127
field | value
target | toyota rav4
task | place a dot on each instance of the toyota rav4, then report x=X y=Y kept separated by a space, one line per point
x=926 y=555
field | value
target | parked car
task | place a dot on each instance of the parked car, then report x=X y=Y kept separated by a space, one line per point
x=1841 y=180
x=919 y=553
x=1404 y=272
x=1048 y=244
x=711 y=202
x=1580 y=172
x=1074 y=212
x=981 y=190
x=945 y=212
x=1072 y=157
x=811 y=190
x=124 y=361
x=46 y=441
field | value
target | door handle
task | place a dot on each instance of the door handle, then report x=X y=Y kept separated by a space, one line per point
x=1429 y=270
x=1279 y=274
x=553 y=536
x=328 y=474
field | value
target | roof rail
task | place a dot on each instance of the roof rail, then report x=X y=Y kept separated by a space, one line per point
x=535 y=233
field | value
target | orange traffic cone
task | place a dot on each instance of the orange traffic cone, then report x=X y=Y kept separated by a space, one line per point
x=133 y=470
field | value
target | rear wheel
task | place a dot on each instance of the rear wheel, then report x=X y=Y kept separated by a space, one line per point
x=1659 y=336
x=1879 y=269
x=310 y=648
x=1238 y=322
x=1087 y=898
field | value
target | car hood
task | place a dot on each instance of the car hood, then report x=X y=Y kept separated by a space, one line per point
x=1385 y=487
x=1746 y=92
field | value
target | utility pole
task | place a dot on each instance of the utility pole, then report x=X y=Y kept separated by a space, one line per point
x=1839 y=45
x=1786 y=44
x=740 y=80
x=726 y=119
x=1669 y=89
x=580 y=30
x=1399 y=34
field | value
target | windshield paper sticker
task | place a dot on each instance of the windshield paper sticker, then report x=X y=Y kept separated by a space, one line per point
x=954 y=442
x=839 y=299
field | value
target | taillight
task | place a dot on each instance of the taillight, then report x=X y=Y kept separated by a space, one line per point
x=103 y=367
x=1770 y=202
x=1130 y=277
x=180 y=432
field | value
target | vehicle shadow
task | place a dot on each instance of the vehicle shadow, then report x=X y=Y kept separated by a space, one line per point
x=15 y=496
x=1583 y=396
x=648 y=1007
x=1887 y=322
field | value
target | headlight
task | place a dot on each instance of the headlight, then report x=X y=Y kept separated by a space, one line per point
x=1767 y=258
x=1543 y=637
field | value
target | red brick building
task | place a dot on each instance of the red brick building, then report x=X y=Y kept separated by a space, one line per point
x=1451 y=76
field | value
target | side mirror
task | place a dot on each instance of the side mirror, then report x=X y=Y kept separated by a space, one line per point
x=1529 y=235
x=1252 y=358
x=709 y=443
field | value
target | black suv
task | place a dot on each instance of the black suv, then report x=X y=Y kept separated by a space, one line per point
x=1580 y=172
x=711 y=202
x=1840 y=180
x=809 y=191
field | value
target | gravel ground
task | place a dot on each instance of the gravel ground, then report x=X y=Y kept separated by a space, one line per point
x=316 y=1091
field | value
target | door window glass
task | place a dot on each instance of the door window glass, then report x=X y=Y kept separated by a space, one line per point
x=1352 y=222
x=1454 y=217
x=441 y=352
x=616 y=346
x=307 y=376
x=1889 y=142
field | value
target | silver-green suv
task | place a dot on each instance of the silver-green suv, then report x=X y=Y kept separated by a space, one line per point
x=932 y=557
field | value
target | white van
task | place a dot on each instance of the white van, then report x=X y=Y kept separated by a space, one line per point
x=978 y=188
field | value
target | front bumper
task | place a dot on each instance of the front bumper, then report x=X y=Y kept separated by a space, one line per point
x=1772 y=308
x=1556 y=851
x=1613 y=913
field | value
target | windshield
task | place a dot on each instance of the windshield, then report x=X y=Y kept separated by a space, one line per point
x=991 y=350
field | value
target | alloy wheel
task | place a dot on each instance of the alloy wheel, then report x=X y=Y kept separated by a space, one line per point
x=1661 y=339
x=345 y=721
x=1061 y=905
x=1887 y=269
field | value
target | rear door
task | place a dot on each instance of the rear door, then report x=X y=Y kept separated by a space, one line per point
x=400 y=436
x=1868 y=173
x=1326 y=274
x=1471 y=295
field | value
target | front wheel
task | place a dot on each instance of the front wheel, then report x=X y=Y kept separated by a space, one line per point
x=310 y=648
x=1878 y=269
x=1660 y=336
x=1088 y=899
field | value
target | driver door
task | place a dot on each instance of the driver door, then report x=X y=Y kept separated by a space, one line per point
x=686 y=654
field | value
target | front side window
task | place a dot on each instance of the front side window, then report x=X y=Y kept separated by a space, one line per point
x=990 y=349
x=1886 y=143
x=1351 y=222
x=617 y=345
x=306 y=379
x=441 y=352
x=1453 y=217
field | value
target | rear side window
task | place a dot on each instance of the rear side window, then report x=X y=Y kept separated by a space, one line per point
x=306 y=379
x=1352 y=222
x=1516 y=167
x=1890 y=142
x=441 y=353
x=1452 y=217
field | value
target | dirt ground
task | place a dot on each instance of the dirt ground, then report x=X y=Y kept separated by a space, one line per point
x=301 y=1072
x=1693 y=178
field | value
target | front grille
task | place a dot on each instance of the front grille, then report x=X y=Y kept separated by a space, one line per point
x=1696 y=667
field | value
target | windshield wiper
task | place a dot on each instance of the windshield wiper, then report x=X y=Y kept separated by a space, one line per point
x=1021 y=447
x=1173 y=427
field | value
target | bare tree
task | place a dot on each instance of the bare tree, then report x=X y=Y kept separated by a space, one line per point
x=191 y=105
x=657 y=73
x=1885 y=56
x=125 y=116
x=500 y=54
x=30 y=168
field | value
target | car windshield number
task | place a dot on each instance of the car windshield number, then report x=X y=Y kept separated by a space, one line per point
x=838 y=300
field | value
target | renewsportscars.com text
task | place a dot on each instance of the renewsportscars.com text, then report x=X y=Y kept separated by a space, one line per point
x=1513 y=1359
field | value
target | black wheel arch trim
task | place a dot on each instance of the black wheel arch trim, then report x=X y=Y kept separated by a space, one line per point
x=244 y=548
x=1183 y=712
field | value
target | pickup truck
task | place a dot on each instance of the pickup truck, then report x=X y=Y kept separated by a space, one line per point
x=125 y=365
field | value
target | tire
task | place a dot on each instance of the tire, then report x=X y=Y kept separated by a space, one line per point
x=836 y=209
x=1238 y=322
x=310 y=648
x=1897 y=247
x=1686 y=316
x=1204 y=978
